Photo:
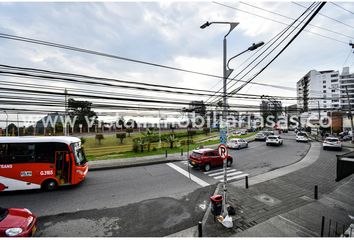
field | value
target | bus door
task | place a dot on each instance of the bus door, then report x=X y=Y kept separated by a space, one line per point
x=63 y=166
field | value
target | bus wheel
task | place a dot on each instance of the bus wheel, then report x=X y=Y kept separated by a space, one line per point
x=49 y=185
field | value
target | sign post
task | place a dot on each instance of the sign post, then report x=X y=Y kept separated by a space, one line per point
x=223 y=152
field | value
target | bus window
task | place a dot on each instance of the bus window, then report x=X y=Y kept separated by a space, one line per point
x=45 y=152
x=20 y=153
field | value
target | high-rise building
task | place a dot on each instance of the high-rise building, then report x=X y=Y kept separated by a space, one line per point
x=318 y=92
x=346 y=82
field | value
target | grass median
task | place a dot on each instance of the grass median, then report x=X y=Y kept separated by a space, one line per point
x=111 y=148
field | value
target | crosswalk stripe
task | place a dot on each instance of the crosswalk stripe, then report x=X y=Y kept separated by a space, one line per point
x=217 y=170
x=185 y=173
x=231 y=174
x=215 y=174
x=236 y=177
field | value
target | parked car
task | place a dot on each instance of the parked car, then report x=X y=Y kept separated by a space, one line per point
x=17 y=222
x=274 y=140
x=236 y=132
x=207 y=158
x=260 y=136
x=243 y=132
x=302 y=137
x=346 y=138
x=237 y=143
x=332 y=143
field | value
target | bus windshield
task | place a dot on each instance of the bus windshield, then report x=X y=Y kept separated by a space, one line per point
x=80 y=158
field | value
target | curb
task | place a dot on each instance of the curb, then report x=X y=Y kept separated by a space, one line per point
x=92 y=169
x=207 y=212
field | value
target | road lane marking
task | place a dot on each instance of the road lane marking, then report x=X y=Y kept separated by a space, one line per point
x=215 y=174
x=236 y=177
x=214 y=171
x=185 y=173
x=231 y=174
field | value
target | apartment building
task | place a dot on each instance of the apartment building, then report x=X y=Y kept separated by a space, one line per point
x=319 y=90
x=346 y=82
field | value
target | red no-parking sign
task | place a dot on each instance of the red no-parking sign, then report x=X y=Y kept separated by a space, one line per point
x=223 y=151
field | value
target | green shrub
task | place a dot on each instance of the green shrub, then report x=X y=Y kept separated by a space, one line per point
x=129 y=131
x=191 y=133
x=99 y=137
x=135 y=146
x=121 y=137
x=83 y=140
x=206 y=130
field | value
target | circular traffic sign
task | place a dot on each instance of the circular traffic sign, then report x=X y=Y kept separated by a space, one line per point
x=223 y=151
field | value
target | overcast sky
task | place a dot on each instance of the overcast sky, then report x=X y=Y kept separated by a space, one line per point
x=168 y=33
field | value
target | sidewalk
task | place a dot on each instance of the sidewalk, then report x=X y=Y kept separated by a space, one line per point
x=143 y=161
x=283 y=205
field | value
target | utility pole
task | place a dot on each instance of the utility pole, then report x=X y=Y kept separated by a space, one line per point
x=350 y=113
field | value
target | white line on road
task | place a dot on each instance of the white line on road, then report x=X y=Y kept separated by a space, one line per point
x=236 y=177
x=185 y=173
x=231 y=174
x=218 y=170
x=228 y=171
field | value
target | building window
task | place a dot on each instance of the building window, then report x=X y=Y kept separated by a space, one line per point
x=324 y=91
x=334 y=75
x=324 y=86
x=333 y=90
x=334 y=80
x=324 y=81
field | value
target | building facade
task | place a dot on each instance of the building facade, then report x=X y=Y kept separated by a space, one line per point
x=324 y=93
x=318 y=92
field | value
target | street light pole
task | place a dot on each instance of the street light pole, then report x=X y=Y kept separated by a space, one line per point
x=226 y=73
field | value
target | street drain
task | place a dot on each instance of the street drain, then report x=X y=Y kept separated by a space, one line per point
x=266 y=199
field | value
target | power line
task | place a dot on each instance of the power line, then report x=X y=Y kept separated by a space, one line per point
x=335 y=4
x=319 y=27
x=323 y=15
x=273 y=20
x=49 y=78
x=286 y=46
x=278 y=36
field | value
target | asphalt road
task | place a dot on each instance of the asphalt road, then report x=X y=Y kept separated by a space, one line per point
x=258 y=158
x=117 y=201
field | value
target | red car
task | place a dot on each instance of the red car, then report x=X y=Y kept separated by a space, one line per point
x=16 y=222
x=207 y=158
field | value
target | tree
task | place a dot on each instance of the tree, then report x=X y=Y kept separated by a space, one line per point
x=121 y=137
x=206 y=130
x=80 y=109
x=129 y=131
x=30 y=130
x=149 y=137
x=12 y=129
x=99 y=137
x=171 y=139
